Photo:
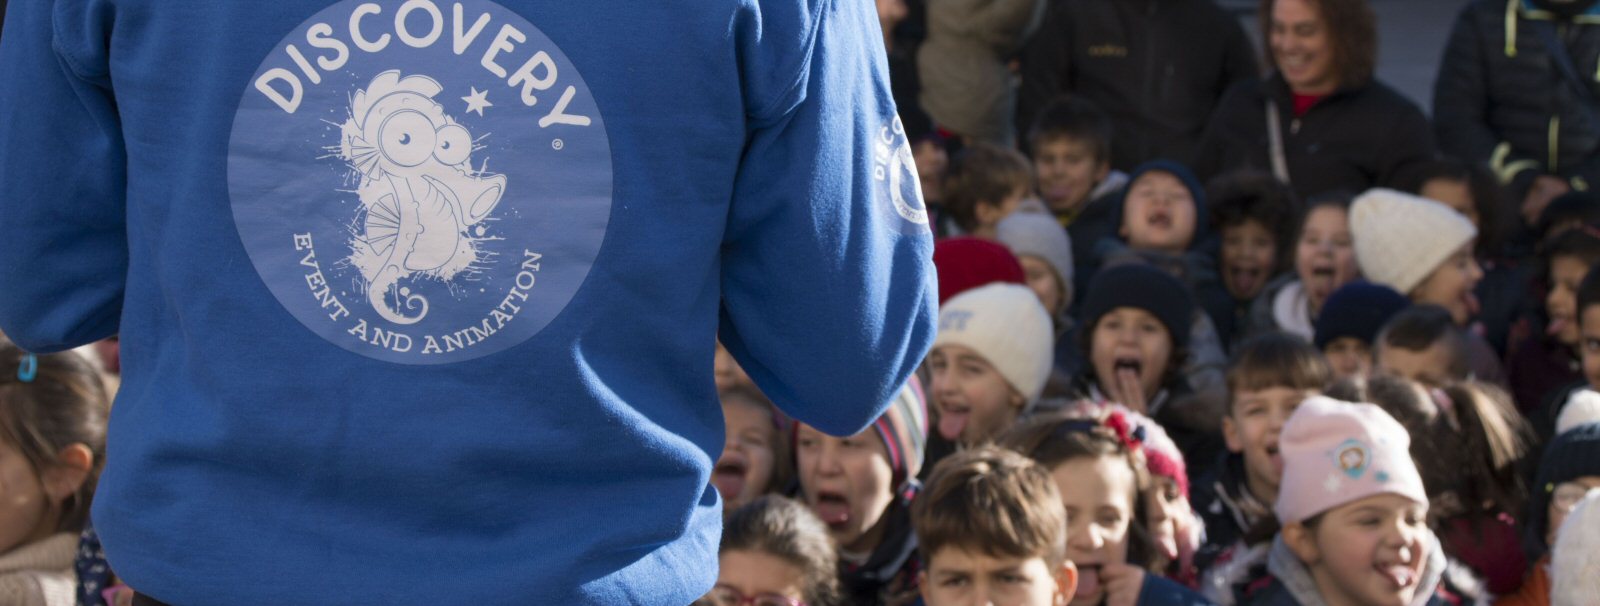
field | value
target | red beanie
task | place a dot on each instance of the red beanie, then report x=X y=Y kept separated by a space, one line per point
x=967 y=263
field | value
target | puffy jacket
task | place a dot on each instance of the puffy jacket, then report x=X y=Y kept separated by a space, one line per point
x=1501 y=100
x=1357 y=138
x=1156 y=67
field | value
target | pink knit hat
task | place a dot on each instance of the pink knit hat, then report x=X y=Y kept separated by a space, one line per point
x=1338 y=452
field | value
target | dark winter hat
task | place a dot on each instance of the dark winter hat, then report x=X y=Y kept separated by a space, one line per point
x=1573 y=454
x=1185 y=176
x=1142 y=287
x=1358 y=309
x=967 y=263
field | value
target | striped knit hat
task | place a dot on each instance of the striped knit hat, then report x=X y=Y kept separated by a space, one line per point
x=904 y=429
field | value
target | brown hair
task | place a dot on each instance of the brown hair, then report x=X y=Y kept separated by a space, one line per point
x=1053 y=439
x=61 y=402
x=983 y=173
x=785 y=529
x=1419 y=327
x=1072 y=118
x=993 y=501
x=1352 y=32
x=782 y=452
x=1277 y=359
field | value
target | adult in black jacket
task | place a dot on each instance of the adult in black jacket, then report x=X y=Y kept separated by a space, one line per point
x=1502 y=100
x=1340 y=129
x=1156 y=67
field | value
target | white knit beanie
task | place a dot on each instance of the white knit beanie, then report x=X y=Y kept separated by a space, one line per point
x=1575 y=558
x=1006 y=324
x=1400 y=238
x=1039 y=235
x=1583 y=406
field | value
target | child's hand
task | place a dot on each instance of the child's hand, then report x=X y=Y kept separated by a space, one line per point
x=1130 y=392
x=1122 y=582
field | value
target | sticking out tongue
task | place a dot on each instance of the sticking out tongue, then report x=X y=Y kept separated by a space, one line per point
x=1402 y=576
x=1556 y=326
x=1471 y=301
x=1088 y=582
x=833 y=511
x=951 y=423
x=728 y=483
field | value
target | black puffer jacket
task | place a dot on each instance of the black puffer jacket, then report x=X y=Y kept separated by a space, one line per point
x=1156 y=67
x=1500 y=100
x=1355 y=139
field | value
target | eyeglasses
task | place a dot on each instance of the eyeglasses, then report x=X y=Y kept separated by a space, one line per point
x=724 y=595
x=1567 y=496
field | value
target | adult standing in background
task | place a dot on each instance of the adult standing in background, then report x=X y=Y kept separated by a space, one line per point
x=968 y=87
x=1320 y=121
x=1156 y=67
x=1519 y=92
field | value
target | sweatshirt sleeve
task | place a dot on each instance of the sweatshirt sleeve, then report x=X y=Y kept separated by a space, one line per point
x=63 y=242
x=828 y=293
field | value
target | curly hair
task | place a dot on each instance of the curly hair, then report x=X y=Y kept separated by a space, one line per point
x=1353 y=33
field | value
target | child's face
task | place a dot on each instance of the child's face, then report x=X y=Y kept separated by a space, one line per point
x=1325 y=256
x=990 y=213
x=727 y=371
x=1067 y=171
x=1371 y=551
x=1349 y=357
x=1099 y=496
x=24 y=505
x=1159 y=213
x=958 y=577
x=1430 y=367
x=1130 y=344
x=1450 y=285
x=1167 y=514
x=1590 y=346
x=1454 y=193
x=744 y=470
x=757 y=574
x=1251 y=428
x=974 y=401
x=1566 y=273
x=847 y=482
x=1564 y=499
x=1045 y=282
x=932 y=161
x=1247 y=258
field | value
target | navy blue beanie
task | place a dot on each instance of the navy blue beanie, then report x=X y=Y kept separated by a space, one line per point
x=1185 y=176
x=1143 y=287
x=1572 y=455
x=1358 y=309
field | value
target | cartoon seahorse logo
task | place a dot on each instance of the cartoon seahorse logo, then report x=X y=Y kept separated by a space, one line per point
x=420 y=196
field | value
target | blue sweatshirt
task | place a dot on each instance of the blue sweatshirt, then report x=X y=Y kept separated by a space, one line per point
x=417 y=299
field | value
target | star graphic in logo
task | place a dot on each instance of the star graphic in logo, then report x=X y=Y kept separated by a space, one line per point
x=1332 y=484
x=477 y=101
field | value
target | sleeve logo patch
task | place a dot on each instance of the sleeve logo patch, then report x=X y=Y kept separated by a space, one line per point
x=420 y=182
x=894 y=168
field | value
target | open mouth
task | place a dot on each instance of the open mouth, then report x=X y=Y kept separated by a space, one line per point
x=1399 y=575
x=1088 y=581
x=1558 y=323
x=953 y=419
x=832 y=508
x=729 y=476
x=1469 y=302
x=1127 y=363
x=1274 y=457
x=1159 y=219
x=1247 y=280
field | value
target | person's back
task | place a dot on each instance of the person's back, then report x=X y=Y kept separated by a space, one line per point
x=417 y=300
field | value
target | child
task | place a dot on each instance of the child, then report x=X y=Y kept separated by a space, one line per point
x=1467 y=443
x=52 y=447
x=861 y=487
x=1418 y=247
x=1253 y=212
x=1545 y=357
x=985 y=184
x=1134 y=338
x=1098 y=465
x=1589 y=328
x=1349 y=323
x=1471 y=191
x=1071 y=146
x=754 y=459
x=990 y=361
x=967 y=263
x=1569 y=469
x=1045 y=253
x=1324 y=260
x=991 y=529
x=1423 y=344
x=728 y=373
x=775 y=552
x=1354 y=513
x=1270 y=376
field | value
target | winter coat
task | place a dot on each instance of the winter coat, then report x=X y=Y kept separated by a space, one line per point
x=1535 y=589
x=1156 y=67
x=1538 y=366
x=1282 y=306
x=1229 y=511
x=40 y=573
x=967 y=86
x=1501 y=101
x=891 y=570
x=1355 y=139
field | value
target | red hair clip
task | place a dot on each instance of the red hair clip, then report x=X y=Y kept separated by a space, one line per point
x=1132 y=439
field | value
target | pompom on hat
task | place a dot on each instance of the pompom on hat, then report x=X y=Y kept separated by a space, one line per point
x=1400 y=238
x=1338 y=452
x=1006 y=324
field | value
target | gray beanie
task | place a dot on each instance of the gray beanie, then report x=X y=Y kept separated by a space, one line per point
x=1039 y=235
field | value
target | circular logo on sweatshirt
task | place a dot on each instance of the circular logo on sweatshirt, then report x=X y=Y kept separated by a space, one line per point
x=420 y=182
x=894 y=169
